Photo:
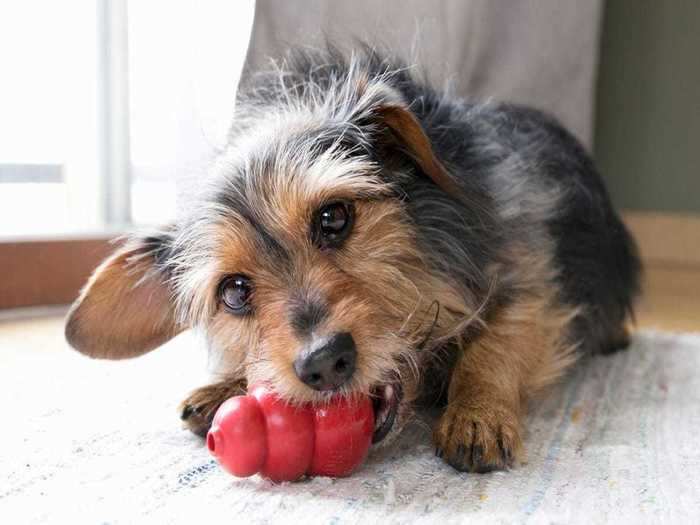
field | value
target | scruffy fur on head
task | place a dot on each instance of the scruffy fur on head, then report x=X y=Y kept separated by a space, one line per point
x=484 y=254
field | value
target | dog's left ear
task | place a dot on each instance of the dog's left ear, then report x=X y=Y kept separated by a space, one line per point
x=126 y=308
x=408 y=133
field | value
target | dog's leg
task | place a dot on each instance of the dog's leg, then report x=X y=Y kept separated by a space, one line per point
x=197 y=411
x=520 y=352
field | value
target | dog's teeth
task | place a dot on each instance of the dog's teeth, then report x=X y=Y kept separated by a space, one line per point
x=388 y=393
x=385 y=405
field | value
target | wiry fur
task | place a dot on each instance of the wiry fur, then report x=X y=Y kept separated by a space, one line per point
x=485 y=250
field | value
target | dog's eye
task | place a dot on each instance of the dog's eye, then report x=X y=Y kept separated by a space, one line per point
x=235 y=292
x=332 y=224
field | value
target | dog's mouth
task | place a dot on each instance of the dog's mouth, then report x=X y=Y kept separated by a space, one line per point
x=386 y=399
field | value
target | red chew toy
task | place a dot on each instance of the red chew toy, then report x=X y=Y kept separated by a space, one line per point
x=261 y=433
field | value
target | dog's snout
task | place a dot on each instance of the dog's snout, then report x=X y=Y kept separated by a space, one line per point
x=330 y=365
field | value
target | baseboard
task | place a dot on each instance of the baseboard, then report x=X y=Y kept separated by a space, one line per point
x=666 y=238
x=47 y=272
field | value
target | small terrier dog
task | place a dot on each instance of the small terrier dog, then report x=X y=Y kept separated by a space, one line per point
x=364 y=233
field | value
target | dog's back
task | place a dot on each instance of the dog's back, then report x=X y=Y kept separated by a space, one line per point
x=547 y=190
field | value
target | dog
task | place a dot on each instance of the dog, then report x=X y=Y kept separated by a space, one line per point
x=364 y=233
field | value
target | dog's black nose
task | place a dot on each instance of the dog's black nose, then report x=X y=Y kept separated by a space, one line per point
x=330 y=365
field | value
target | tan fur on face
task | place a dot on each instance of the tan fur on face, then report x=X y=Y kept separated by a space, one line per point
x=377 y=287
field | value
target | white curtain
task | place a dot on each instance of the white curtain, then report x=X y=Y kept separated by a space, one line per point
x=185 y=59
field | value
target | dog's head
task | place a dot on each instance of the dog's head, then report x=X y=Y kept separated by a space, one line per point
x=300 y=262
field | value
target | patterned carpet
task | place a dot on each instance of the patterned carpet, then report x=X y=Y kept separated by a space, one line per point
x=93 y=442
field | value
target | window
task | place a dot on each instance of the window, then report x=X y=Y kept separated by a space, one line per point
x=48 y=127
x=110 y=107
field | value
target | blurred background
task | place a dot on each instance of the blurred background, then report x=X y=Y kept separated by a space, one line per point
x=110 y=110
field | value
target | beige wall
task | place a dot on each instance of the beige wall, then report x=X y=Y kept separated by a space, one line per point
x=648 y=111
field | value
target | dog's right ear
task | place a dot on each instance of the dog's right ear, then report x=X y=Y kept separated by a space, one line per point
x=126 y=308
x=410 y=136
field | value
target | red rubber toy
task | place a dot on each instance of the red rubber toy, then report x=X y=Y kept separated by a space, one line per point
x=260 y=433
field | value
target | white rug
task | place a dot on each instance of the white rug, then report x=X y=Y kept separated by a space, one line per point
x=93 y=442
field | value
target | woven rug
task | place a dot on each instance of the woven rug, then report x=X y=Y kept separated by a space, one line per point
x=99 y=442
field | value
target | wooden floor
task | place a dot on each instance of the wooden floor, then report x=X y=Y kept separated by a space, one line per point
x=671 y=298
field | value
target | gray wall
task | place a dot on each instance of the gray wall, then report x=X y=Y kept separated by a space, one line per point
x=648 y=111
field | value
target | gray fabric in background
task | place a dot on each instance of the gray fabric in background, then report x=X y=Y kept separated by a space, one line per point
x=543 y=53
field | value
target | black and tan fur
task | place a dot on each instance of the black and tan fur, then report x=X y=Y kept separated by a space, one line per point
x=484 y=255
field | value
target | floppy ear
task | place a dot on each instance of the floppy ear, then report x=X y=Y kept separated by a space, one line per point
x=125 y=309
x=409 y=134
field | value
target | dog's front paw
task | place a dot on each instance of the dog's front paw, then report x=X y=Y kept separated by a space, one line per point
x=197 y=411
x=195 y=418
x=478 y=437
